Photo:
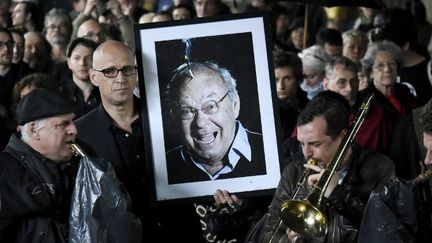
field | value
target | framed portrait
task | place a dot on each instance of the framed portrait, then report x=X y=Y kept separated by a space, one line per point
x=209 y=106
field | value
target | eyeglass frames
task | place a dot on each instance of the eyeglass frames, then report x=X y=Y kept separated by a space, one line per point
x=210 y=107
x=9 y=44
x=112 y=72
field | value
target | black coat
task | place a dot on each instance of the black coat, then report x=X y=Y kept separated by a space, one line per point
x=35 y=196
x=367 y=171
x=173 y=223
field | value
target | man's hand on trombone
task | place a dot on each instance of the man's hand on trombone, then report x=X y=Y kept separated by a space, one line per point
x=314 y=178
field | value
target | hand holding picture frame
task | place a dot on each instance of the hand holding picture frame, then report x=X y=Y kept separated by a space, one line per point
x=208 y=101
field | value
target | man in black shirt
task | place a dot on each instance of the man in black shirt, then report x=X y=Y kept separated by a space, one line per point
x=114 y=131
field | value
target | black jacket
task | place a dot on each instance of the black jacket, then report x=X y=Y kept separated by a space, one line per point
x=34 y=195
x=173 y=223
x=367 y=171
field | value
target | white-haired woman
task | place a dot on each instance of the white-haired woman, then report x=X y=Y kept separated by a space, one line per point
x=314 y=60
x=381 y=64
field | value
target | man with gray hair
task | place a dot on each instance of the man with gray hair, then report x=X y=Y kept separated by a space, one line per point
x=205 y=105
x=36 y=171
x=341 y=77
x=58 y=31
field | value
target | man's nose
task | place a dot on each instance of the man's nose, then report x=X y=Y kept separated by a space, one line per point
x=200 y=119
x=307 y=151
x=72 y=130
x=349 y=87
x=120 y=78
x=279 y=85
x=82 y=62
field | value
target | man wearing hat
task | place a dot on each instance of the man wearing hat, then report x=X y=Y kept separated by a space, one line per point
x=35 y=183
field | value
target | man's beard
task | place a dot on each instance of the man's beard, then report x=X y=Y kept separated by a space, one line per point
x=59 y=40
x=37 y=63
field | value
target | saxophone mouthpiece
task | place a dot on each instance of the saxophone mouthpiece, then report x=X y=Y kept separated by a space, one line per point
x=77 y=150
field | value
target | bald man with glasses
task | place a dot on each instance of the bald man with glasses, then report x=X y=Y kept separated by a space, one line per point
x=113 y=131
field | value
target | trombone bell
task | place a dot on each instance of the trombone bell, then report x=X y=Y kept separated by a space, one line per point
x=303 y=218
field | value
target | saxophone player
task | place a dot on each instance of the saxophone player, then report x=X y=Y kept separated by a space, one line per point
x=321 y=127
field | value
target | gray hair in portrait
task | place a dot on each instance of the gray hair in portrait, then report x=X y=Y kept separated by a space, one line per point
x=186 y=72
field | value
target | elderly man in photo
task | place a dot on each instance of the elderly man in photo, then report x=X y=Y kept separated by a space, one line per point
x=203 y=99
x=37 y=171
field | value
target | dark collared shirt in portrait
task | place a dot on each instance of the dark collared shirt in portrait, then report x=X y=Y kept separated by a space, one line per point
x=244 y=158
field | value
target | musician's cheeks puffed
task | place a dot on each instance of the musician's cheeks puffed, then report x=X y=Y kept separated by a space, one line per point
x=224 y=197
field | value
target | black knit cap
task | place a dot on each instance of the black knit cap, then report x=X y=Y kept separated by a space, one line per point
x=42 y=103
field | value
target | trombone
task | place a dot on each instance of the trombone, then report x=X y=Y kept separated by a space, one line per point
x=300 y=183
x=304 y=216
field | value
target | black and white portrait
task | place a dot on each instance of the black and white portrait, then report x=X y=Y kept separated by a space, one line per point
x=209 y=101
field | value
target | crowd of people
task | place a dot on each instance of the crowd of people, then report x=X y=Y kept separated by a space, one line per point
x=71 y=76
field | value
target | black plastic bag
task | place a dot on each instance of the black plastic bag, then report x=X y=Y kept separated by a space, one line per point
x=390 y=215
x=100 y=208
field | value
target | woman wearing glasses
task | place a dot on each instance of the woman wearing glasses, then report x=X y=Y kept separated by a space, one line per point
x=381 y=64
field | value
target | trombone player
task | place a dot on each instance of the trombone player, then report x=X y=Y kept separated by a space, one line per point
x=321 y=128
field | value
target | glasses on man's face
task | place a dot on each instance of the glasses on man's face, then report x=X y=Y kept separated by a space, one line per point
x=112 y=72
x=343 y=83
x=381 y=66
x=8 y=44
x=210 y=107
x=61 y=27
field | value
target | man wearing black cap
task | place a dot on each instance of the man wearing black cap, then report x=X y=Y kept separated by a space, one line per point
x=35 y=186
